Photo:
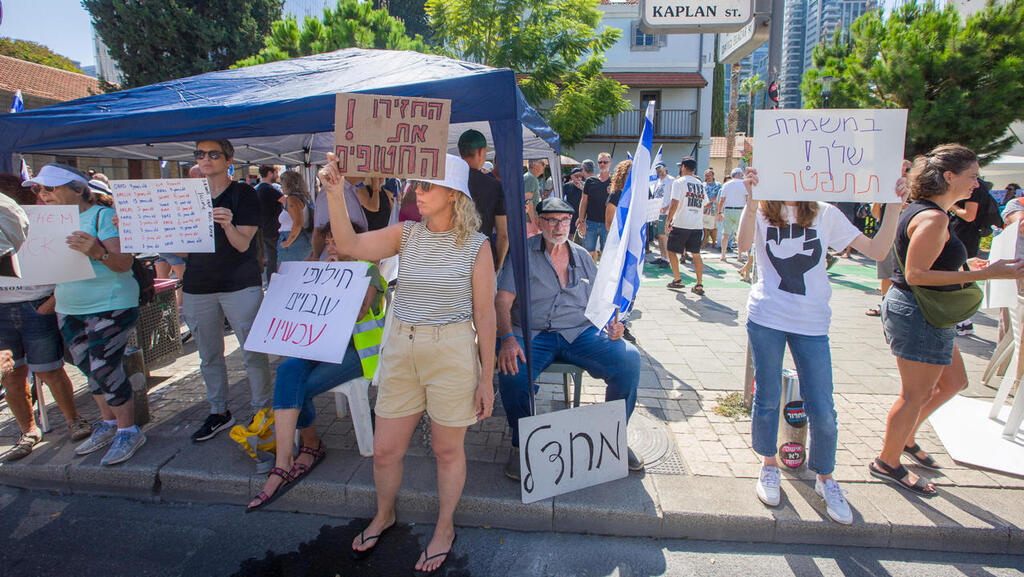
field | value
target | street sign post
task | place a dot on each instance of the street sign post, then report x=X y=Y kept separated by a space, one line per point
x=709 y=16
x=738 y=45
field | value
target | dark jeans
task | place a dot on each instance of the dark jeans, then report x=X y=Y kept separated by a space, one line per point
x=616 y=362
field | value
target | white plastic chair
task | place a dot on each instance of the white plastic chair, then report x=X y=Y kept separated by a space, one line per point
x=1016 y=416
x=356 y=393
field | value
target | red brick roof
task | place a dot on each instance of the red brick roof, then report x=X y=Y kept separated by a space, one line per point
x=652 y=79
x=45 y=81
x=743 y=146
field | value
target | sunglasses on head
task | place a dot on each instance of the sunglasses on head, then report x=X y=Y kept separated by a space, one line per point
x=211 y=154
x=37 y=188
x=604 y=162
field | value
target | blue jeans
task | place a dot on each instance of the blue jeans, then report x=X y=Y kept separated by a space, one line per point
x=814 y=367
x=596 y=231
x=32 y=338
x=300 y=380
x=616 y=362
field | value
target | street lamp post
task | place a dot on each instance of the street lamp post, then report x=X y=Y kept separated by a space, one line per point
x=826 y=90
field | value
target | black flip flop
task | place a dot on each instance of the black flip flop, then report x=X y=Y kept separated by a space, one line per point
x=420 y=573
x=874 y=312
x=676 y=284
x=927 y=462
x=698 y=289
x=358 y=555
x=895 y=476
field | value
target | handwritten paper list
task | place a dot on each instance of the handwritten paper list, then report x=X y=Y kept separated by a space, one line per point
x=164 y=215
x=832 y=155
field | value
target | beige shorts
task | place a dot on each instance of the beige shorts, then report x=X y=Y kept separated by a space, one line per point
x=432 y=368
x=710 y=221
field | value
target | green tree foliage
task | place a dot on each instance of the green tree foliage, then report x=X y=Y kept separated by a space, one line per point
x=413 y=14
x=556 y=46
x=960 y=80
x=350 y=23
x=718 y=96
x=751 y=86
x=156 y=41
x=32 y=52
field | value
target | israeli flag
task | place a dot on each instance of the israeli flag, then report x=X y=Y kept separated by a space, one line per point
x=26 y=174
x=654 y=173
x=622 y=262
x=19 y=103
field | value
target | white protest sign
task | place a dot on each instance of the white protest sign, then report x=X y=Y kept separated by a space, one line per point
x=164 y=215
x=654 y=209
x=309 y=310
x=45 y=257
x=830 y=155
x=1002 y=292
x=393 y=136
x=564 y=451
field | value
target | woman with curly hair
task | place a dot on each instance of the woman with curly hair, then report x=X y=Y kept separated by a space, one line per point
x=619 y=176
x=439 y=355
x=928 y=255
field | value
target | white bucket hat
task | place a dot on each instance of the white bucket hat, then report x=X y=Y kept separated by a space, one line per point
x=456 y=175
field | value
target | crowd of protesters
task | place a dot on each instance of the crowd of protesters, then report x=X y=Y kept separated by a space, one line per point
x=454 y=319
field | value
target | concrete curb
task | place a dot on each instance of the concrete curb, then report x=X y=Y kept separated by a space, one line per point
x=641 y=505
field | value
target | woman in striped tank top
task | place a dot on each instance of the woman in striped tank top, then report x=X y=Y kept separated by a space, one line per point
x=439 y=355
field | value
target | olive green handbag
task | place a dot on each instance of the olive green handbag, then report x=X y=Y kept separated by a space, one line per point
x=944 y=309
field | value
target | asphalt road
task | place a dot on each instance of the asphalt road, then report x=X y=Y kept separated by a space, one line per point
x=55 y=535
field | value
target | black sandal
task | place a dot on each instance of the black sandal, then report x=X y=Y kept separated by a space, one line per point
x=299 y=470
x=698 y=289
x=874 y=312
x=421 y=573
x=676 y=284
x=358 y=555
x=927 y=462
x=896 y=476
x=264 y=499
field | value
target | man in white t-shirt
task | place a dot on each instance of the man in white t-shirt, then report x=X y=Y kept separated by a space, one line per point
x=731 y=201
x=661 y=189
x=686 y=224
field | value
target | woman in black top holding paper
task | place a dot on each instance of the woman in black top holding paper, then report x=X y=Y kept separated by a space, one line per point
x=928 y=256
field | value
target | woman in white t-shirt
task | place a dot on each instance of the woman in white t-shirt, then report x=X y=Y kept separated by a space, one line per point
x=789 y=305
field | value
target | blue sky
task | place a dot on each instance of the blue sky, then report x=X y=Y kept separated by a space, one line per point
x=64 y=26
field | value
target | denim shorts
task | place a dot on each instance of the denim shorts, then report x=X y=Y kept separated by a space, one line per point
x=32 y=338
x=172 y=259
x=596 y=231
x=909 y=335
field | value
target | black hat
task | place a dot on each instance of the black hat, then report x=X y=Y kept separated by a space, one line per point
x=554 y=205
x=689 y=163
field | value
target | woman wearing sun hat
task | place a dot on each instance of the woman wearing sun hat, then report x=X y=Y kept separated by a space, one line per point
x=439 y=355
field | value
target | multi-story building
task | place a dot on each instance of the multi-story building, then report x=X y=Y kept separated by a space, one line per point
x=756 y=63
x=106 y=67
x=302 y=8
x=673 y=70
x=808 y=23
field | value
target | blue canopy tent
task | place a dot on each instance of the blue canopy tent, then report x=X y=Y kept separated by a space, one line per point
x=283 y=113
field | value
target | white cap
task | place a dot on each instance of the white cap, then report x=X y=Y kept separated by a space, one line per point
x=456 y=175
x=99 y=186
x=51 y=175
x=487 y=167
x=737 y=172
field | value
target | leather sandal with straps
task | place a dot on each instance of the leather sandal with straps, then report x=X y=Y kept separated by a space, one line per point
x=426 y=558
x=896 y=477
x=300 y=470
x=286 y=483
x=927 y=461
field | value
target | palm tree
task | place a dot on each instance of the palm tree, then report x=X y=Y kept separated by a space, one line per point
x=751 y=85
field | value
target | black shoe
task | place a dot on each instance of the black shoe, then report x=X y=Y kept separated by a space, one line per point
x=186 y=337
x=636 y=463
x=830 y=260
x=213 y=425
x=227 y=327
x=628 y=335
x=512 y=466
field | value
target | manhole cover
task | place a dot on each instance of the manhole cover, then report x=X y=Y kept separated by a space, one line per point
x=652 y=440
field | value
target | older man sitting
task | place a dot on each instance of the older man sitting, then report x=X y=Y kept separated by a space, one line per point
x=561 y=274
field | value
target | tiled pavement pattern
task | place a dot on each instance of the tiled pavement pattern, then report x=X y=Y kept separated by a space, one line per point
x=693 y=353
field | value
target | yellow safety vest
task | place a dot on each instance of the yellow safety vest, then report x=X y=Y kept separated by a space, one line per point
x=368 y=333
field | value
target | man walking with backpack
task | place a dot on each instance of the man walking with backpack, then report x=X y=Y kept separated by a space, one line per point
x=972 y=220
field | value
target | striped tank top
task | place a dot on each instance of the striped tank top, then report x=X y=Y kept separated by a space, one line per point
x=435 y=276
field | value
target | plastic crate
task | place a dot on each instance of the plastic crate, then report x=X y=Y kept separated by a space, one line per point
x=158 y=332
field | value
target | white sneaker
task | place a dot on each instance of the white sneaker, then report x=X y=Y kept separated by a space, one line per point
x=835 y=499
x=768 y=486
x=965 y=329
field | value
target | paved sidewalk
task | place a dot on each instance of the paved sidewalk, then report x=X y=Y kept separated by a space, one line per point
x=700 y=480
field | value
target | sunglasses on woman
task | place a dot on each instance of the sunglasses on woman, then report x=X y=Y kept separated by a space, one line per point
x=37 y=188
x=211 y=154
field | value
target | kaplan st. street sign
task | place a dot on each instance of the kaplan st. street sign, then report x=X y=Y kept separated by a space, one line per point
x=681 y=17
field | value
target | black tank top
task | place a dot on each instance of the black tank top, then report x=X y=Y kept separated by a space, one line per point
x=952 y=257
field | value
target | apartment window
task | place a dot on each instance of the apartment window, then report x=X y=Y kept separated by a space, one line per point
x=643 y=41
